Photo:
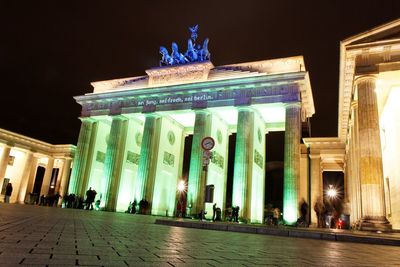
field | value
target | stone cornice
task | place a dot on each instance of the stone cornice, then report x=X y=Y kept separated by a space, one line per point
x=372 y=49
x=30 y=144
x=284 y=87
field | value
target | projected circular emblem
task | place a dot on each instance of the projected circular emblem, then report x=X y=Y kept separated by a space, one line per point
x=219 y=136
x=138 y=139
x=259 y=135
x=171 y=137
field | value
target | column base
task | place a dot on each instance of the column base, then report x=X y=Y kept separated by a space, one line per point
x=375 y=224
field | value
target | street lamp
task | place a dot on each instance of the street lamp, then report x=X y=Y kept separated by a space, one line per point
x=181 y=190
x=332 y=192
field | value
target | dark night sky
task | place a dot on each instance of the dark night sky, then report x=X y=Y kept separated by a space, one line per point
x=50 y=51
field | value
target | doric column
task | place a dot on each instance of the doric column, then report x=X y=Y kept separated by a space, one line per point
x=32 y=175
x=114 y=160
x=148 y=158
x=4 y=162
x=25 y=177
x=291 y=172
x=371 y=172
x=88 y=127
x=62 y=190
x=47 y=177
x=316 y=185
x=197 y=179
x=243 y=158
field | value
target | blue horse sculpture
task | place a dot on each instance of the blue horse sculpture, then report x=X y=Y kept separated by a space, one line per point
x=203 y=53
x=166 y=58
x=177 y=57
x=191 y=52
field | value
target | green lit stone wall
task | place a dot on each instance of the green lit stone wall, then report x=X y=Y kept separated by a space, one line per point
x=126 y=192
x=167 y=169
x=258 y=171
x=96 y=172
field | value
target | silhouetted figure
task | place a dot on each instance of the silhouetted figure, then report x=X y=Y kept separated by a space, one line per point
x=42 y=201
x=218 y=214
x=277 y=216
x=202 y=215
x=214 y=210
x=328 y=213
x=141 y=206
x=302 y=221
x=269 y=217
x=90 y=196
x=235 y=211
x=319 y=209
x=129 y=208
x=133 y=210
x=8 y=193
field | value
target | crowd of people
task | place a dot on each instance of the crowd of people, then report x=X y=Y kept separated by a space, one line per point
x=329 y=213
x=138 y=208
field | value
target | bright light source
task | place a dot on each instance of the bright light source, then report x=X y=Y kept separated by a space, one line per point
x=181 y=186
x=332 y=192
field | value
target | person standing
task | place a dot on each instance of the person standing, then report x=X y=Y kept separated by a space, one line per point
x=214 y=210
x=9 y=190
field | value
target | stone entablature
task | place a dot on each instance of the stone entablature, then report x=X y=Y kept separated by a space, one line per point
x=34 y=145
x=370 y=52
x=279 y=88
x=330 y=150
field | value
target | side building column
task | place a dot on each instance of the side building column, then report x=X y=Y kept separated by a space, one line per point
x=4 y=162
x=316 y=185
x=371 y=170
x=64 y=179
x=242 y=173
x=88 y=127
x=47 y=177
x=25 y=177
x=291 y=172
x=197 y=179
x=114 y=160
x=148 y=158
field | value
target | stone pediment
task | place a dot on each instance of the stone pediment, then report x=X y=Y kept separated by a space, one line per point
x=386 y=32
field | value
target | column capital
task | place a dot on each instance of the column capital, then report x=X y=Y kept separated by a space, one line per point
x=314 y=156
x=365 y=78
x=292 y=104
x=245 y=108
x=119 y=117
x=152 y=115
x=202 y=110
x=87 y=119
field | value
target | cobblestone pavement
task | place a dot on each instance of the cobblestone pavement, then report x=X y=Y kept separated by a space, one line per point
x=32 y=235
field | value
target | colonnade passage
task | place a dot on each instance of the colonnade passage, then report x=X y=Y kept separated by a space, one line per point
x=134 y=157
x=33 y=167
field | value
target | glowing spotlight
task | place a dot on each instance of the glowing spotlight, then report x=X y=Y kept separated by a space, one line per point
x=181 y=186
x=332 y=192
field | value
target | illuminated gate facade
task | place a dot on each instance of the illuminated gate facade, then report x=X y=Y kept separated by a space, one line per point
x=131 y=141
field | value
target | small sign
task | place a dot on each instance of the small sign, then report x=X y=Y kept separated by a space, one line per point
x=207 y=143
x=207 y=154
x=206 y=162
